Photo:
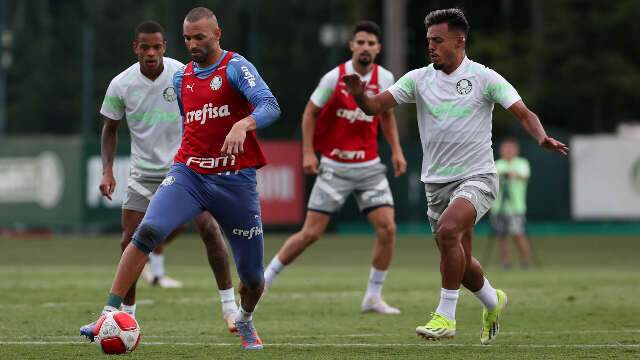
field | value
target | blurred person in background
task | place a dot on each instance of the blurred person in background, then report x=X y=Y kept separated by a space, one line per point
x=347 y=140
x=455 y=97
x=144 y=93
x=509 y=209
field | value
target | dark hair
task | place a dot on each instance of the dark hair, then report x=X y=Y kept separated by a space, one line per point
x=198 y=13
x=454 y=17
x=367 y=26
x=149 y=27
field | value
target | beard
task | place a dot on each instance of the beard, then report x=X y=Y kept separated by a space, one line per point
x=199 y=57
x=365 y=60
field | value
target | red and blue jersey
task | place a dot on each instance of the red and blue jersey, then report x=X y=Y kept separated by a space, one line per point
x=211 y=101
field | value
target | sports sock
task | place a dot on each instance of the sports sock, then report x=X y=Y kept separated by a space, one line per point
x=274 y=268
x=376 y=281
x=157 y=264
x=129 y=309
x=448 y=301
x=114 y=300
x=487 y=295
x=244 y=316
x=228 y=300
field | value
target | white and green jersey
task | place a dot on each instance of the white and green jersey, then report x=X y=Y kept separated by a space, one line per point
x=152 y=115
x=454 y=117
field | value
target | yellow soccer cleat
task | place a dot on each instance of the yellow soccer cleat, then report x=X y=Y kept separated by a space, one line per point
x=438 y=328
x=491 y=319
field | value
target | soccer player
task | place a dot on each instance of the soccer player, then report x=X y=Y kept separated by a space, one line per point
x=145 y=94
x=454 y=97
x=347 y=138
x=509 y=209
x=223 y=100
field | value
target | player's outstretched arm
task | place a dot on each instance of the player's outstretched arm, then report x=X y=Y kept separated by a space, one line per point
x=371 y=105
x=309 y=158
x=108 y=142
x=531 y=123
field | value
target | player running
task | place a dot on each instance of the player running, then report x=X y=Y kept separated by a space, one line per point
x=347 y=138
x=223 y=100
x=454 y=97
x=145 y=94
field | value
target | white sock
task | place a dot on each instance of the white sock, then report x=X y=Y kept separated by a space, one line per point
x=244 y=316
x=156 y=261
x=274 y=268
x=376 y=281
x=448 y=301
x=129 y=309
x=228 y=300
x=487 y=295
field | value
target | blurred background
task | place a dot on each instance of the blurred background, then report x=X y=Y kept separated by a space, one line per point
x=574 y=62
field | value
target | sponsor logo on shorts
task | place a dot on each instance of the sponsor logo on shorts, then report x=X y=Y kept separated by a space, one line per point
x=168 y=181
x=248 y=76
x=249 y=234
x=354 y=115
x=207 y=112
x=216 y=83
x=463 y=87
x=212 y=162
x=348 y=154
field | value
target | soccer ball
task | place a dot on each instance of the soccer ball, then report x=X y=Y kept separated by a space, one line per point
x=117 y=332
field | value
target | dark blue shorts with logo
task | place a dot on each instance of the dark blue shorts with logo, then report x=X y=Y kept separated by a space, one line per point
x=231 y=198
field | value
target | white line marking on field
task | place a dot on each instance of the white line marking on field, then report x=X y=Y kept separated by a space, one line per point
x=84 y=343
x=320 y=336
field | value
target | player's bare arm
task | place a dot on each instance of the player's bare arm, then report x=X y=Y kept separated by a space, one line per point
x=531 y=123
x=390 y=132
x=108 y=141
x=371 y=105
x=233 y=143
x=309 y=158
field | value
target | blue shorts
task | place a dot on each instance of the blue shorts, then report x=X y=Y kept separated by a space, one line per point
x=232 y=200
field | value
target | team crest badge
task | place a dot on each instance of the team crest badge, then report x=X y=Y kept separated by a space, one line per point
x=216 y=82
x=168 y=181
x=169 y=94
x=464 y=87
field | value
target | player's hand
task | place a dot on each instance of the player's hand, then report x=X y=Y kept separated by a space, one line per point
x=552 y=144
x=354 y=84
x=399 y=164
x=234 y=142
x=107 y=185
x=310 y=163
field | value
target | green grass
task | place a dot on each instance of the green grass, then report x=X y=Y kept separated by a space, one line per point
x=582 y=302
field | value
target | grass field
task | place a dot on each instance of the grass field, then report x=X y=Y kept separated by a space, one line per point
x=583 y=302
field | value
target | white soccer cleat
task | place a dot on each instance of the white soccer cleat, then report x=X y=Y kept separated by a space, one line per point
x=147 y=274
x=166 y=282
x=377 y=305
x=229 y=318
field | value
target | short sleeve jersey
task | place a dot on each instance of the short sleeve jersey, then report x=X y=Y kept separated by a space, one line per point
x=152 y=114
x=454 y=117
x=512 y=197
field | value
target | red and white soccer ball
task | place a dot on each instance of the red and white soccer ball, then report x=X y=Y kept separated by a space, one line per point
x=117 y=332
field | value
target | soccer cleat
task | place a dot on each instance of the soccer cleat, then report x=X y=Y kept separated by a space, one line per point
x=377 y=305
x=147 y=275
x=491 y=319
x=438 y=328
x=166 y=282
x=229 y=318
x=90 y=330
x=248 y=335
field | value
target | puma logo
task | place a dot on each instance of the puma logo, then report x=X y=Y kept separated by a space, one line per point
x=190 y=87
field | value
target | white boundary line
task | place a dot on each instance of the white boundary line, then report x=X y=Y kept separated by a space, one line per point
x=363 y=345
